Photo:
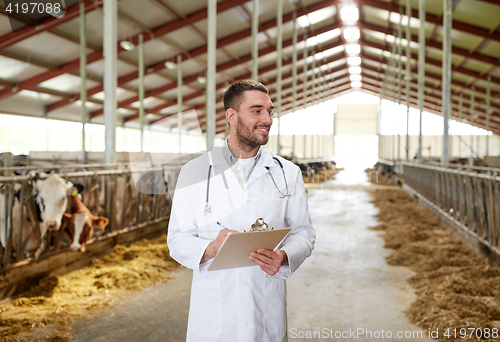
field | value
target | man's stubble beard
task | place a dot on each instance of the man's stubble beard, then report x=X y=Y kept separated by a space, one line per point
x=247 y=137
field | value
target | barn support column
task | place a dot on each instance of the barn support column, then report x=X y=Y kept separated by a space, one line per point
x=313 y=81
x=334 y=132
x=304 y=81
x=255 y=41
x=488 y=94
x=312 y=145
x=408 y=78
x=110 y=9
x=472 y=95
x=211 y=68
x=304 y=153
x=446 y=81
x=460 y=114
x=141 y=89
x=83 y=77
x=179 y=100
x=294 y=74
x=279 y=44
x=421 y=71
x=294 y=64
x=400 y=74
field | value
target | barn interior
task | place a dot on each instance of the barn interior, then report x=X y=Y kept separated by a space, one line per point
x=391 y=109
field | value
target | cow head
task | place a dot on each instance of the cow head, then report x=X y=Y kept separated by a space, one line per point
x=80 y=228
x=51 y=198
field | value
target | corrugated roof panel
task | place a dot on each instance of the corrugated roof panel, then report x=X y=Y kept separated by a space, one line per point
x=151 y=81
x=491 y=48
x=121 y=94
x=123 y=68
x=149 y=13
x=478 y=13
x=476 y=66
x=228 y=22
x=5 y=26
x=42 y=46
x=13 y=70
x=66 y=83
x=186 y=37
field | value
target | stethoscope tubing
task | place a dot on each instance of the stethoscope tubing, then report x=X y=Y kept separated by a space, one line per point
x=283 y=195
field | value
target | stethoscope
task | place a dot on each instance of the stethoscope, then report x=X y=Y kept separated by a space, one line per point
x=282 y=195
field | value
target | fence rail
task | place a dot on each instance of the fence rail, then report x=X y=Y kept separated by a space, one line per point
x=470 y=199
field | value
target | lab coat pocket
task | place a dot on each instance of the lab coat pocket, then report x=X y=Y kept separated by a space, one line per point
x=275 y=309
x=205 y=314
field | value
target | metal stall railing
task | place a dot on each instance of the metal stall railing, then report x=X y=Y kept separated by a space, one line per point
x=466 y=197
x=109 y=193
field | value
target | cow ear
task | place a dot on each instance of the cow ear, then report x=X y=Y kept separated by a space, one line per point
x=100 y=222
x=69 y=188
x=79 y=187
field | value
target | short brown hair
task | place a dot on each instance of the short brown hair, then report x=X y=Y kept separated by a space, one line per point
x=233 y=96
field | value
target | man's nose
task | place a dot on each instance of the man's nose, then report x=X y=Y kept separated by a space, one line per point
x=268 y=120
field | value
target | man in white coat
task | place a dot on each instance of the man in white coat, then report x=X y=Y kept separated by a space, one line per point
x=235 y=184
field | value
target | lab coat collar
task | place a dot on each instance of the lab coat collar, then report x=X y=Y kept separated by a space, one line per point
x=266 y=161
x=266 y=158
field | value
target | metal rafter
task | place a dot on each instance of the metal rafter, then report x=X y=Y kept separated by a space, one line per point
x=435 y=19
x=435 y=103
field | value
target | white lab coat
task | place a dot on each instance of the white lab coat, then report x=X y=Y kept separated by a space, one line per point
x=240 y=304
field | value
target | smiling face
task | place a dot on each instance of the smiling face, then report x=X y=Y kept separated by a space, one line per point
x=253 y=119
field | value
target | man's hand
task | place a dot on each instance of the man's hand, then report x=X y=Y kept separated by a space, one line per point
x=269 y=261
x=215 y=245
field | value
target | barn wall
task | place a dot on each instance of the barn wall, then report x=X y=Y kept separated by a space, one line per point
x=317 y=146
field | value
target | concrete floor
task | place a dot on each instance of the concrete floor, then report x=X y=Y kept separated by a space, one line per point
x=345 y=285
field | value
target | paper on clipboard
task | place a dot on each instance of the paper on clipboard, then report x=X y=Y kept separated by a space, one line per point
x=237 y=247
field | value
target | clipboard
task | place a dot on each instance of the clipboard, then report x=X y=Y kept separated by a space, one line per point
x=237 y=247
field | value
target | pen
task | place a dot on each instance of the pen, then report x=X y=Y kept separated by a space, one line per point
x=220 y=224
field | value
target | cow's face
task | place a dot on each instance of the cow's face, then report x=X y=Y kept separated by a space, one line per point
x=82 y=229
x=51 y=199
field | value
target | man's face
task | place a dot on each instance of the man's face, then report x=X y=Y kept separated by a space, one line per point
x=254 y=119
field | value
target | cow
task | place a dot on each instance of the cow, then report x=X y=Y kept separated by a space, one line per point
x=80 y=223
x=50 y=199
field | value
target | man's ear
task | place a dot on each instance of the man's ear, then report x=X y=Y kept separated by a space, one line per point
x=231 y=116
